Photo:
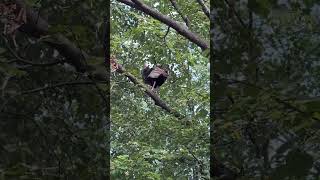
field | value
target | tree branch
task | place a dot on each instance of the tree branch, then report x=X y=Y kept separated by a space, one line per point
x=176 y=7
x=231 y=6
x=22 y=60
x=205 y=9
x=37 y=27
x=168 y=21
x=150 y=93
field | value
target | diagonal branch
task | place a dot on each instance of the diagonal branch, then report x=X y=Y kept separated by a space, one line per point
x=176 y=7
x=168 y=21
x=154 y=97
x=205 y=9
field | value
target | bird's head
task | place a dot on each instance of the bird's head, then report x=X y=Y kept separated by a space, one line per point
x=145 y=65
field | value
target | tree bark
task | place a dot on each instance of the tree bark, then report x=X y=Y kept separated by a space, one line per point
x=168 y=21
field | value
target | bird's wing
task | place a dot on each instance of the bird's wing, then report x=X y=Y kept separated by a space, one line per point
x=156 y=72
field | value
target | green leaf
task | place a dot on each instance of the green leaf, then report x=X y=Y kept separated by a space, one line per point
x=2 y=50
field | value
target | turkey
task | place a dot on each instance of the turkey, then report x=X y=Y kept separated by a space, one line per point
x=154 y=76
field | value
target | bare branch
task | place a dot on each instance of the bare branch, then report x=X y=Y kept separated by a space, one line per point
x=168 y=21
x=205 y=9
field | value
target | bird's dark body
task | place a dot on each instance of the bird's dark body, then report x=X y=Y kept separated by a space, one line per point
x=159 y=81
x=155 y=76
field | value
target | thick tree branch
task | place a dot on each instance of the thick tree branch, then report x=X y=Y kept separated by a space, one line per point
x=150 y=93
x=168 y=21
x=205 y=9
x=36 y=26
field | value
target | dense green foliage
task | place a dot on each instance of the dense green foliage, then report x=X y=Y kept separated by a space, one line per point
x=147 y=142
x=52 y=117
x=267 y=97
x=265 y=92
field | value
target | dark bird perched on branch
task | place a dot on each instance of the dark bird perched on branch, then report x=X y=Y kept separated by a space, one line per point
x=154 y=76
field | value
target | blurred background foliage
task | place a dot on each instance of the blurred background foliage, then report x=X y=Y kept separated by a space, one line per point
x=49 y=131
x=266 y=54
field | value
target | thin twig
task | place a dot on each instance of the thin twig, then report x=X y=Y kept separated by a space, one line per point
x=184 y=18
x=165 y=36
x=159 y=102
x=22 y=60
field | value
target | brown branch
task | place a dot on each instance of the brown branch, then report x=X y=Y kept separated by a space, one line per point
x=205 y=9
x=176 y=7
x=154 y=97
x=37 y=27
x=168 y=21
